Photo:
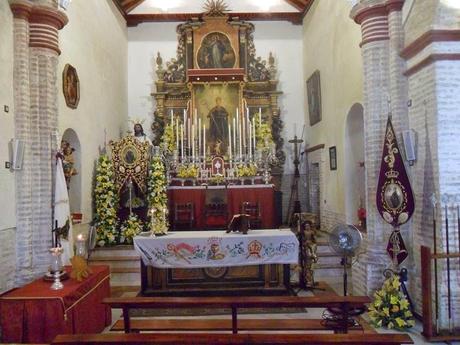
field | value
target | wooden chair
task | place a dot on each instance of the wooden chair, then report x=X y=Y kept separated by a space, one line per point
x=216 y=215
x=253 y=210
x=184 y=216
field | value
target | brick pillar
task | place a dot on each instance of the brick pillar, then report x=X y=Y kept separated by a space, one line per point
x=381 y=28
x=433 y=72
x=37 y=47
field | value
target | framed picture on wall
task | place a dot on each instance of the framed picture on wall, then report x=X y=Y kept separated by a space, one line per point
x=333 y=158
x=71 y=86
x=314 y=98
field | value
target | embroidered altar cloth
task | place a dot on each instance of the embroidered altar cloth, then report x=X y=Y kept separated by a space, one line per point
x=195 y=249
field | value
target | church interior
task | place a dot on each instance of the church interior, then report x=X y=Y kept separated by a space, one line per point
x=230 y=171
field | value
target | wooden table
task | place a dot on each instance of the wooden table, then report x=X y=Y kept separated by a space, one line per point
x=36 y=314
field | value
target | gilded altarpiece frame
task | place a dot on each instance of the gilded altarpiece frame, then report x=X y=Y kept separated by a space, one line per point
x=183 y=84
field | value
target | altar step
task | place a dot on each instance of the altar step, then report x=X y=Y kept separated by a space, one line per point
x=123 y=262
x=328 y=266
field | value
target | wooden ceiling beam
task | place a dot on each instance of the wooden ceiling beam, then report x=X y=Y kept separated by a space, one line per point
x=298 y=4
x=129 y=5
x=135 y=19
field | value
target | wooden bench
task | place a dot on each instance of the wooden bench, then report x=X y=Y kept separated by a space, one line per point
x=232 y=339
x=342 y=303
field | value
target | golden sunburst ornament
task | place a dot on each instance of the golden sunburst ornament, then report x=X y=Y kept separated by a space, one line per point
x=215 y=8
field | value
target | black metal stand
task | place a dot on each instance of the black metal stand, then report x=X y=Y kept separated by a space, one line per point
x=294 y=203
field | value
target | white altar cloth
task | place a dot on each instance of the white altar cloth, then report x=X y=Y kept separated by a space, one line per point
x=195 y=249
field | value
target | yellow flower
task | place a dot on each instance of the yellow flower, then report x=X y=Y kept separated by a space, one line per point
x=394 y=299
x=404 y=304
x=390 y=325
x=386 y=311
x=408 y=314
x=396 y=283
x=400 y=322
x=395 y=309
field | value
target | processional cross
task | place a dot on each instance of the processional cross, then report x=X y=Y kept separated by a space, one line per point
x=294 y=198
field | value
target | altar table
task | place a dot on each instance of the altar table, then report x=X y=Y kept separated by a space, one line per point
x=197 y=249
x=36 y=314
x=262 y=194
x=185 y=262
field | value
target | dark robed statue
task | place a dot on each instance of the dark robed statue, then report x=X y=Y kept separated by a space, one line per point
x=218 y=126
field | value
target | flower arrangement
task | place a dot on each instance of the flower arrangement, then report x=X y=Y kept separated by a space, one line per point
x=130 y=228
x=246 y=170
x=264 y=137
x=187 y=171
x=168 y=140
x=217 y=179
x=106 y=202
x=390 y=307
x=157 y=197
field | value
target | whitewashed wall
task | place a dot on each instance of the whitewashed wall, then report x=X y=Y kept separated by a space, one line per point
x=95 y=43
x=331 y=45
x=7 y=185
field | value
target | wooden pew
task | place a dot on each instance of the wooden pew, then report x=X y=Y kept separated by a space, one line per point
x=232 y=339
x=343 y=303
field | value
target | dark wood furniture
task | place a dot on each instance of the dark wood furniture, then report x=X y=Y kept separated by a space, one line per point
x=430 y=330
x=342 y=303
x=270 y=279
x=184 y=217
x=254 y=212
x=234 y=339
x=216 y=216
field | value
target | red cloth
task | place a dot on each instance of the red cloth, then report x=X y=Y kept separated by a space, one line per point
x=36 y=314
x=265 y=196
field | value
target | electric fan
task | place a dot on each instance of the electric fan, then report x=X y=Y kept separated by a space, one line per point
x=345 y=240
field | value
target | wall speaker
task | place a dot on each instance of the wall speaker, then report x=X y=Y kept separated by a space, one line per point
x=409 y=145
x=16 y=150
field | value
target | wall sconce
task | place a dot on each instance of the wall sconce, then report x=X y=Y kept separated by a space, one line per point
x=64 y=4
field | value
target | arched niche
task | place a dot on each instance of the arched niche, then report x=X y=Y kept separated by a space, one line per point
x=355 y=177
x=75 y=181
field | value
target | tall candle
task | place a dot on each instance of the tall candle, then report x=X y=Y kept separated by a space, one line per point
x=182 y=141
x=254 y=133
x=204 y=142
x=185 y=112
x=260 y=116
x=250 y=141
x=199 y=137
x=193 y=141
x=234 y=136
x=229 y=142
x=177 y=134
x=243 y=127
x=171 y=118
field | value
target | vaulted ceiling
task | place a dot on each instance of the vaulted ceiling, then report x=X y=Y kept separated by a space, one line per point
x=140 y=11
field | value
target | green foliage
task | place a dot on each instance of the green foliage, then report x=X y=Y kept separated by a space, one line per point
x=264 y=138
x=187 y=171
x=106 y=202
x=246 y=170
x=168 y=140
x=157 y=197
x=390 y=307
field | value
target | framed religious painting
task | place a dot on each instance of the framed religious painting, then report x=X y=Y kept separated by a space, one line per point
x=71 y=86
x=314 y=98
x=333 y=158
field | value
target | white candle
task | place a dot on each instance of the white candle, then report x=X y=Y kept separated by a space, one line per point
x=229 y=147
x=193 y=141
x=243 y=127
x=182 y=141
x=260 y=116
x=183 y=122
x=250 y=141
x=234 y=136
x=204 y=143
x=177 y=134
x=254 y=133
x=171 y=118
x=199 y=137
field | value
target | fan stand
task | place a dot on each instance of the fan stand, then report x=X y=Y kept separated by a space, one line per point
x=336 y=318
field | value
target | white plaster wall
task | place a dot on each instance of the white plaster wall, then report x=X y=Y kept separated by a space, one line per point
x=95 y=43
x=331 y=45
x=281 y=38
x=7 y=184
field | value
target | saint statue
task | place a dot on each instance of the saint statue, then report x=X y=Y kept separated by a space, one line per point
x=218 y=127
x=68 y=161
x=140 y=135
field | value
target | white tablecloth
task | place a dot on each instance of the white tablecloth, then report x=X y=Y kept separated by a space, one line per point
x=193 y=249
